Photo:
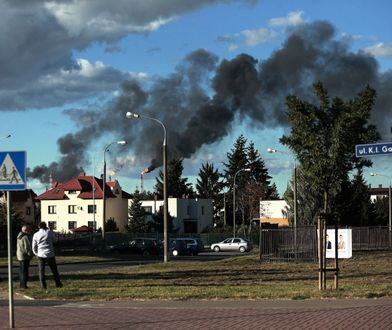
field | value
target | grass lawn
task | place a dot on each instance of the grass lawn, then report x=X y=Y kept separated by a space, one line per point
x=366 y=275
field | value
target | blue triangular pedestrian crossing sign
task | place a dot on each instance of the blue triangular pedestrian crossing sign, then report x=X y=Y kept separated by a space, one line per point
x=13 y=170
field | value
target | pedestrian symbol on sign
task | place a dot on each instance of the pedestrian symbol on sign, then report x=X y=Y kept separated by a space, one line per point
x=12 y=170
x=9 y=173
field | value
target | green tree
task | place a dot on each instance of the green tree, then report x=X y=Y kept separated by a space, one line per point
x=380 y=216
x=16 y=224
x=353 y=202
x=250 y=186
x=136 y=215
x=209 y=185
x=323 y=138
x=111 y=225
x=237 y=159
x=309 y=199
x=273 y=193
x=157 y=224
x=177 y=186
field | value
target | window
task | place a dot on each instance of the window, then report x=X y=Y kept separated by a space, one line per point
x=90 y=224
x=188 y=209
x=202 y=210
x=71 y=209
x=72 y=192
x=28 y=210
x=52 y=225
x=147 y=209
x=92 y=208
x=71 y=225
x=52 y=209
x=190 y=226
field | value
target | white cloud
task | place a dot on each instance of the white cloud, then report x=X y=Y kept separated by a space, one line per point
x=255 y=37
x=139 y=75
x=50 y=32
x=293 y=18
x=232 y=47
x=380 y=50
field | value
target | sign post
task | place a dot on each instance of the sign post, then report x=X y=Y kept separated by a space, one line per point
x=12 y=177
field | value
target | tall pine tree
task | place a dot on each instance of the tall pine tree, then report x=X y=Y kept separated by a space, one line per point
x=177 y=186
x=209 y=185
x=136 y=215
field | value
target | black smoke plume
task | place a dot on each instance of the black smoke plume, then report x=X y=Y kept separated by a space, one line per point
x=199 y=102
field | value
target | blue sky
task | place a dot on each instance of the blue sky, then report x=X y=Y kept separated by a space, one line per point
x=63 y=64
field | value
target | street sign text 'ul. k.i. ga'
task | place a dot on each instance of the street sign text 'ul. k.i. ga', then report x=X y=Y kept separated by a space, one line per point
x=375 y=149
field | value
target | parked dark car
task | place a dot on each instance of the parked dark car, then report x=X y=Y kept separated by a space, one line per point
x=142 y=246
x=185 y=246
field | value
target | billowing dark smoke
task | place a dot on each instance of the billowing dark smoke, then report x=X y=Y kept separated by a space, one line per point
x=199 y=102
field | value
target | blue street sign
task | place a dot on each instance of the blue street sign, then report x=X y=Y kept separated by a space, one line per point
x=12 y=170
x=376 y=149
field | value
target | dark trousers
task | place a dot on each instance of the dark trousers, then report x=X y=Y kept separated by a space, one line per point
x=53 y=267
x=24 y=273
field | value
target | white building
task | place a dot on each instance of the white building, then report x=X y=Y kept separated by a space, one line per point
x=274 y=212
x=78 y=202
x=378 y=193
x=189 y=215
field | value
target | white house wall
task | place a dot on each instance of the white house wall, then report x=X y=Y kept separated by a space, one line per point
x=115 y=208
x=198 y=210
x=272 y=209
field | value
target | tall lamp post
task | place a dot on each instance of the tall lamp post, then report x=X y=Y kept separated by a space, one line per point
x=235 y=176
x=132 y=115
x=389 y=203
x=121 y=142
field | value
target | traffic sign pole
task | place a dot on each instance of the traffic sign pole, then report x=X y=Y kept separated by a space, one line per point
x=10 y=287
x=12 y=177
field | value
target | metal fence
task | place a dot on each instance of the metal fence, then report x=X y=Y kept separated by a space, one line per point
x=287 y=244
x=370 y=238
x=275 y=244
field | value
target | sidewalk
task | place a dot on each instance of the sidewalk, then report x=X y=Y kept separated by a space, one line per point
x=184 y=315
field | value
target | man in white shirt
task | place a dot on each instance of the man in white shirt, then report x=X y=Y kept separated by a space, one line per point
x=44 y=250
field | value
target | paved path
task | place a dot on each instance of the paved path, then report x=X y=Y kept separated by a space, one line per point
x=184 y=315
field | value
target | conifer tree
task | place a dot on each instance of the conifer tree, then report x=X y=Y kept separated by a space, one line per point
x=177 y=186
x=136 y=215
x=209 y=185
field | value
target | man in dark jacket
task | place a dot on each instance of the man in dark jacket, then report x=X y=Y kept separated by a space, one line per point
x=24 y=253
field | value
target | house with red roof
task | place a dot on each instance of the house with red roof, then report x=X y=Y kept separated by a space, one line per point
x=79 y=202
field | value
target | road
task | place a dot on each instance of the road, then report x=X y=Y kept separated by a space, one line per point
x=132 y=261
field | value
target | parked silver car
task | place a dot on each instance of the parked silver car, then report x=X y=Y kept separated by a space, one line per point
x=232 y=244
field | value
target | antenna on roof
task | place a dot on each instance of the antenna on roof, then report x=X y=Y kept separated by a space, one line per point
x=141 y=183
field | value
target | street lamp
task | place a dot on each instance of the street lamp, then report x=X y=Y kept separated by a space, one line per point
x=132 y=115
x=121 y=142
x=235 y=175
x=389 y=202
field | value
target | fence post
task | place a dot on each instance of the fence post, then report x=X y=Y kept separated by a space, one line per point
x=260 y=243
x=320 y=251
